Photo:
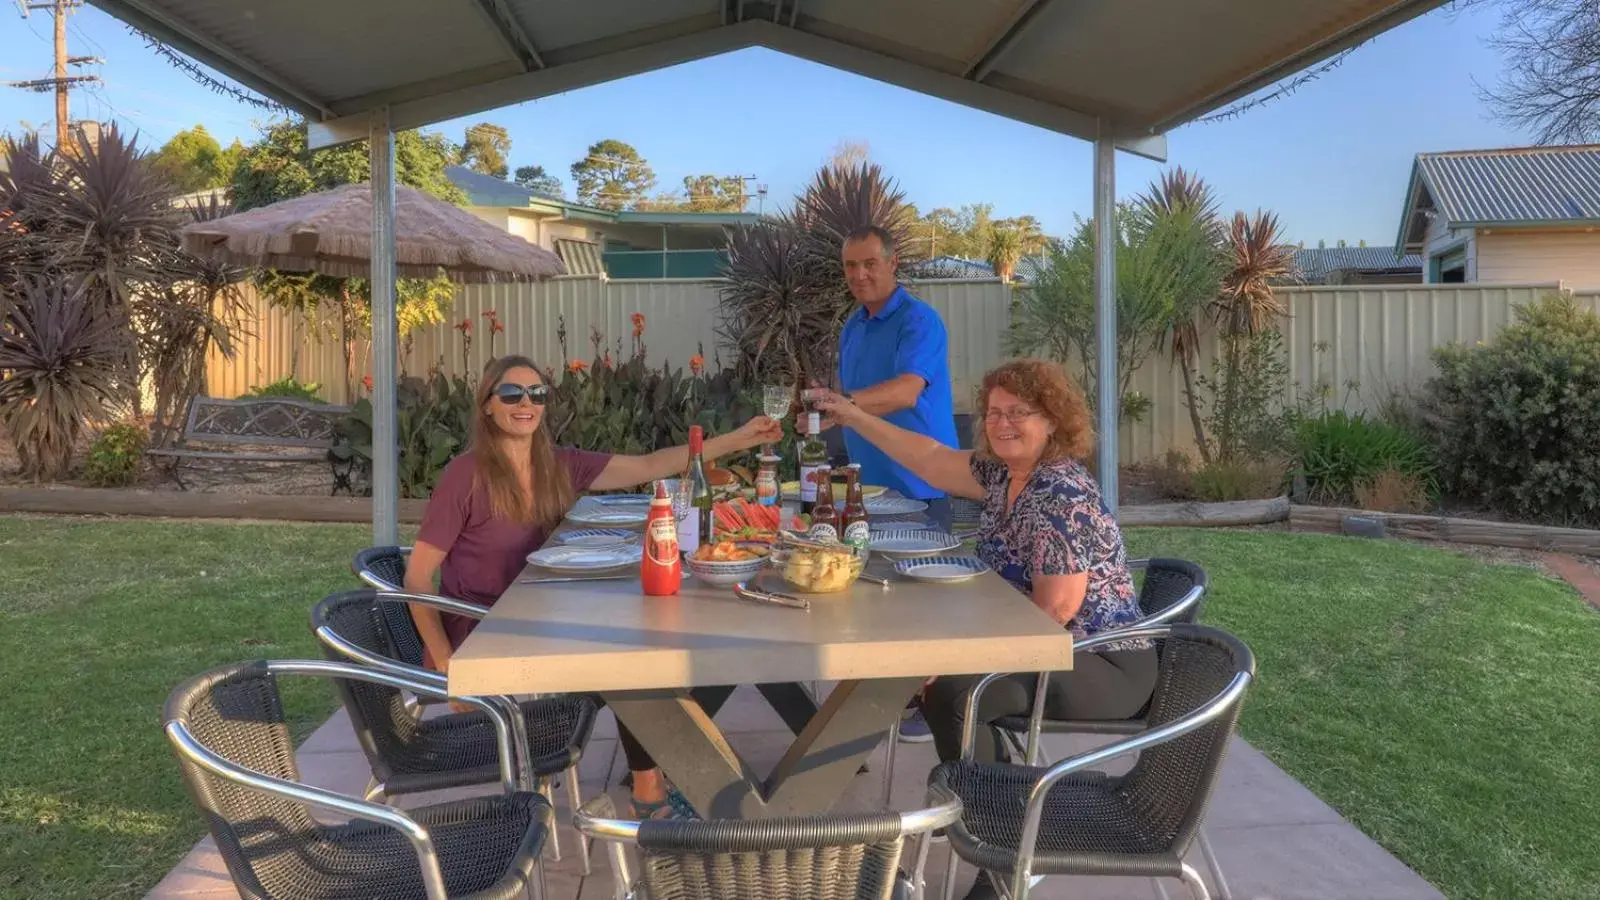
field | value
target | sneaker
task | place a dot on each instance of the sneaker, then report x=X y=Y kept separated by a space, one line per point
x=913 y=727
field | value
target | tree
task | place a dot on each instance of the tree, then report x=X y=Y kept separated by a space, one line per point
x=714 y=193
x=279 y=166
x=1030 y=234
x=193 y=160
x=849 y=155
x=612 y=175
x=1005 y=250
x=536 y=179
x=484 y=149
x=1551 y=86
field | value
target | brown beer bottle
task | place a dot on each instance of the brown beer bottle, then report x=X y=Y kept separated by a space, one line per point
x=856 y=527
x=824 y=516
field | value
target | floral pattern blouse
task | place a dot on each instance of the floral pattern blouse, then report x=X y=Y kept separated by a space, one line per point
x=1059 y=526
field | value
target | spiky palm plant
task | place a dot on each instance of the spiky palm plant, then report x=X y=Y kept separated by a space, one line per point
x=1179 y=192
x=63 y=353
x=1260 y=259
x=785 y=295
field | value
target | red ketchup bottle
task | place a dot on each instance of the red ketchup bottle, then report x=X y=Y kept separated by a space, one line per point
x=661 y=571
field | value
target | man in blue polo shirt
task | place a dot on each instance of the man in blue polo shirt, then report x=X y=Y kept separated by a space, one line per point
x=894 y=362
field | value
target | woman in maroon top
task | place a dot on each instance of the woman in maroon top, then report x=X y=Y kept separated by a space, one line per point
x=500 y=500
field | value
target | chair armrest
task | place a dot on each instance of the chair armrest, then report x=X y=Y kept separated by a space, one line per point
x=943 y=810
x=443 y=604
x=969 y=730
x=1216 y=706
x=371 y=580
x=505 y=727
x=597 y=819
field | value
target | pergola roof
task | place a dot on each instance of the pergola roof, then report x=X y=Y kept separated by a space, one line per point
x=1135 y=67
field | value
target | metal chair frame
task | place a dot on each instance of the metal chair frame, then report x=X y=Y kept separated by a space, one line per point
x=439 y=688
x=594 y=821
x=191 y=749
x=1022 y=879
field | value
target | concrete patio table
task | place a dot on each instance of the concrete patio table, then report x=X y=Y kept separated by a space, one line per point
x=644 y=654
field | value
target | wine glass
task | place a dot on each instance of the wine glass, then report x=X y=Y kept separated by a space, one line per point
x=776 y=399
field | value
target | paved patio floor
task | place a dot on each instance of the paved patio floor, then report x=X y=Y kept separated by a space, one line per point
x=1274 y=839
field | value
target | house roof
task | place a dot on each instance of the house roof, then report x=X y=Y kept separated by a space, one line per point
x=1315 y=263
x=1516 y=187
x=487 y=190
x=1080 y=68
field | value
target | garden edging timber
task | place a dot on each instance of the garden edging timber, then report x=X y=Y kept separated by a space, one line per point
x=195 y=505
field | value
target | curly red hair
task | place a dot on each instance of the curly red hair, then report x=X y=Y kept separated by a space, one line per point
x=1046 y=387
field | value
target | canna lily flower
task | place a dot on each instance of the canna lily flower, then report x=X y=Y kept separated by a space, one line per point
x=577 y=366
x=366 y=382
x=498 y=327
x=606 y=360
x=638 y=324
x=697 y=363
x=490 y=314
x=464 y=326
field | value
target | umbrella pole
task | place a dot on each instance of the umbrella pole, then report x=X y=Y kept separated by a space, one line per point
x=1105 y=304
x=385 y=442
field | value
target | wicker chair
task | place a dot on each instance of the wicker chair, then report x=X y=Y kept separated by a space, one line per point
x=384 y=568
x=410 y=754
x=228 y=731
x=1172 y=591
x=828 y=857
x=1064 y=820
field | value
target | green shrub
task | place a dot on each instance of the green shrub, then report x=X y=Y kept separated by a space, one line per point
x=1336 y=452
x=1516 y=422
x=1219 y=481
x=114 y=456
x=434 y=422
x=288 y=386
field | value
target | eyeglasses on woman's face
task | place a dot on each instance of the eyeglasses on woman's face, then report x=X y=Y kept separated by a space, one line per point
x=1016 y=415
x=511 y=394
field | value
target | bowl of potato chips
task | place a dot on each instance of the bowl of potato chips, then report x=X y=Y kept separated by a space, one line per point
x=818 y=566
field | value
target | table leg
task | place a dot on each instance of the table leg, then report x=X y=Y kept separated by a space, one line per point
x=810 y=778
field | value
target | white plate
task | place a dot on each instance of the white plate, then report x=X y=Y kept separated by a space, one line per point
x=595 y=537
x=614 y=500
x=888 y=525
x=941 y=569
x=894 y=506
x=618 y=514
x=912 y=543
x=586 y=559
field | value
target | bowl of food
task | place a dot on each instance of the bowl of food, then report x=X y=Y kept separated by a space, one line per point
x=818 y=567
x=726 y=563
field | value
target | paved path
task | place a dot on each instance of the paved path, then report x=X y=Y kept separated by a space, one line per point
x=1274 y=839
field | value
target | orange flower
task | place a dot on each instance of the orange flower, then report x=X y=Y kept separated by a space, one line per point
x=464 y=326
x=697 y=363
x=638 y=324
x=366 y=382
x=577 y=365
x=498 y=327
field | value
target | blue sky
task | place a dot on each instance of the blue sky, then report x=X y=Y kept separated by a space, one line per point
x=1331 y=160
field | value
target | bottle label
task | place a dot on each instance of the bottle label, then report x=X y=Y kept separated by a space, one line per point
x=857 y=533
x=767 y=488
x=823 y=532
x=689 y=533
x=808 y=483
x=661 y=542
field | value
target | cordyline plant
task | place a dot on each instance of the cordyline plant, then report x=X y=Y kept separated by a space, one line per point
x=62 y=353
x=97 y=220
x=785 y=296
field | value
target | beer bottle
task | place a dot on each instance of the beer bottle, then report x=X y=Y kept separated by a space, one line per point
x=824 y=517
x=856 y=527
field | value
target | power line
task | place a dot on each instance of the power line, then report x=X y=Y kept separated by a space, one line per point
x=59 y=82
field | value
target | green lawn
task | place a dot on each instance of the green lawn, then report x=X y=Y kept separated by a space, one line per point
x=1445 y=706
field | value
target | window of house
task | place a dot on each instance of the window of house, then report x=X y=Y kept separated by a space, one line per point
x=1449 y=268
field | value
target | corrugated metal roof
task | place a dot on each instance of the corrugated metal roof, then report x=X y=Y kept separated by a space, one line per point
x=487 y=190
x=1532 y=185
x=581 y=257
x=1315 y=263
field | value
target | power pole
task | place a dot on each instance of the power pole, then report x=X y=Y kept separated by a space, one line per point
x=61 y=82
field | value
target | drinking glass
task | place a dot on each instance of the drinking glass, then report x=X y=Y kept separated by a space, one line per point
x=776 y=400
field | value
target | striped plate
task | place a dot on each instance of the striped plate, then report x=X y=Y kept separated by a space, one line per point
x=941 y=569
x=595 y=537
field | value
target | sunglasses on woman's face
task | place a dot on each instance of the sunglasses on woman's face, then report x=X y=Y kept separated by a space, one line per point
x=512 y=394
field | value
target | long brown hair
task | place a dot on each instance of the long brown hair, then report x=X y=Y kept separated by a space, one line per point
x=1044 y=385
x=553 y=494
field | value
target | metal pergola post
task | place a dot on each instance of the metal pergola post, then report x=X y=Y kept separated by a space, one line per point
x=1105 y=305
x=385 y=338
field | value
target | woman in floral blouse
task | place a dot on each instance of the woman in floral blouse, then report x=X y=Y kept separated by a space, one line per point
x=1045 y=530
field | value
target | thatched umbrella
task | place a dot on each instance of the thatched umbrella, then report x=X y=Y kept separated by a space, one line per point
x=331 y=232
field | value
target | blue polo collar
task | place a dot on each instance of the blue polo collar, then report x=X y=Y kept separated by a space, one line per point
x=890 y=307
